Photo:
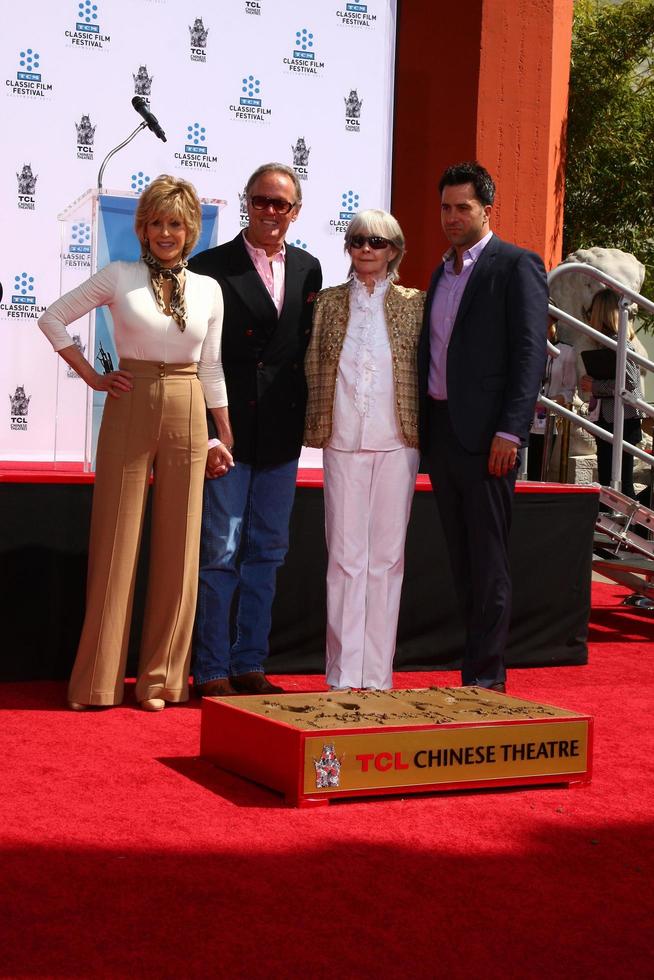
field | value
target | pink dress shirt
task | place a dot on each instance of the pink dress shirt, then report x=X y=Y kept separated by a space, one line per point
x=272 y=272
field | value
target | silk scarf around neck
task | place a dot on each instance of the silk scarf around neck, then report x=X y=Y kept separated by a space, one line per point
x=159 y=273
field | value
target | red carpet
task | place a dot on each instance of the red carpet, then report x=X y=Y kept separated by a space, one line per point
x=124 y=855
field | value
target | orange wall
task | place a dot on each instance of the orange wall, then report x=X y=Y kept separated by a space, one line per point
x=435 y=118
x=485 y=79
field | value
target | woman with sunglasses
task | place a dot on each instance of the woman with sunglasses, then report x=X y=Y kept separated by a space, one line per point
x=363 y=412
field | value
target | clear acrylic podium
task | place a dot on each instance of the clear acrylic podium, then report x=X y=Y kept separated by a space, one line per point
x=96 y=229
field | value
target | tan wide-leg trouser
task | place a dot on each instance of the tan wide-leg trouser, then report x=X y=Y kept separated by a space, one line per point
x=160 y=425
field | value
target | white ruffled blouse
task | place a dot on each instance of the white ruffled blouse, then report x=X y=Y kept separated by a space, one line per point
x=364 y=403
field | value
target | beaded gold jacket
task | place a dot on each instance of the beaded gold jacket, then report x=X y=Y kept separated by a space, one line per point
x=331 y=315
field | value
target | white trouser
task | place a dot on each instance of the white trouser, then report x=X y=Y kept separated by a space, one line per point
x=367 y=506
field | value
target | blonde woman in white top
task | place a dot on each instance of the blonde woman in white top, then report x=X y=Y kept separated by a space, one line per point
x=167 y=330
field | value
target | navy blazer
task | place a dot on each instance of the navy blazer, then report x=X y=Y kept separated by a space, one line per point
x=263 y=353
x=497 y=351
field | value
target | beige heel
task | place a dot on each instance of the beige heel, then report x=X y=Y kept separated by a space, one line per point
x=153 y=704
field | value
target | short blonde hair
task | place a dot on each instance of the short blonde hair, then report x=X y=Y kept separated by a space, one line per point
x=173 y=196
x=382 y=223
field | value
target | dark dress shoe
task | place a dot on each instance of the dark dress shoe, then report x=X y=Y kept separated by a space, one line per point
x=500 y=687
x=220 y=688
x=254 y=683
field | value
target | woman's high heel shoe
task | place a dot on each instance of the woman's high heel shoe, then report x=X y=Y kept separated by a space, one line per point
x=153 y=704
x=76 y=706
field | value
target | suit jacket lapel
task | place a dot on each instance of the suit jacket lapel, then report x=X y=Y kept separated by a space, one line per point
x=431 y=289
x=246 y=281
x=478 y=274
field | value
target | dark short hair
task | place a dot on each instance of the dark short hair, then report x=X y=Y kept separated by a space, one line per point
x=473 y=173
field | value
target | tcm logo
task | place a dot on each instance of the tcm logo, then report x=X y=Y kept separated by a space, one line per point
x=78 y=255
x=304 y=45
x=29 y=80
x=196 y=136
x=23 y=304
x=304 y=58
x=28 y=63
x=80 y=238
x=349 y=207
x=251 y=88
x=381 y=761
x=23 y=294
x=139 y=181
x=87 y=17
x=87 y=33
x=251 y=106
x=196 y=153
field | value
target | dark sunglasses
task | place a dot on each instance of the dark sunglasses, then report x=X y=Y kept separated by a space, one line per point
x=375 y=241
x=260 y=203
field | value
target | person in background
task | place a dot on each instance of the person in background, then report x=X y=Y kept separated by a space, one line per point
x=559 y=384
x=167 y=331
x=604 y=316
x=363 y=412
x=268 y=288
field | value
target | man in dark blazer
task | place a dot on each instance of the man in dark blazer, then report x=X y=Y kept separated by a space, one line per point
x=480 y=363
x=268 y=291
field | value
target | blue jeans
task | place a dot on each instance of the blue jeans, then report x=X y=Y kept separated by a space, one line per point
x=244 y=540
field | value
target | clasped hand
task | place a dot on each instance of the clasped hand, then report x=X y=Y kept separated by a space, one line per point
x=219 y=462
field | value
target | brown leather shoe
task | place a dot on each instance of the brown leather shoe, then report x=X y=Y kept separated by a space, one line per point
x=220 y=688
x=254 y=683
x=500 y=687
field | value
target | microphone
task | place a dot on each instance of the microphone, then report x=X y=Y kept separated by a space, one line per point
x=141 y=107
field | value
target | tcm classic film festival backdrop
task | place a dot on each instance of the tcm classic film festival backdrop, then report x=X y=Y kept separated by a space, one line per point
x=233 y=83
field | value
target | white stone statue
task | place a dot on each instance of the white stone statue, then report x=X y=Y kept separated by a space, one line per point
x=573 y=292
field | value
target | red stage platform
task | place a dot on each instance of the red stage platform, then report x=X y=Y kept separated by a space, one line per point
x=44 y=526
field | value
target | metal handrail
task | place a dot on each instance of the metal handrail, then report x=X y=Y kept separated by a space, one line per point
x=621 y=395
x=582 y=327
x=593 y=273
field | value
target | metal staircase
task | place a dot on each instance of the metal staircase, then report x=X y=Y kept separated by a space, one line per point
x=620 y=552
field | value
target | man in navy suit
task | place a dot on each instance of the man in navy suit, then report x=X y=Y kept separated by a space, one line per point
x=480 y=362
x=268 y=290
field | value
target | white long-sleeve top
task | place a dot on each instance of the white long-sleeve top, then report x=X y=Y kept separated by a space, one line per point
x=561 y=374
x=364 y=402
x=141 y=330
